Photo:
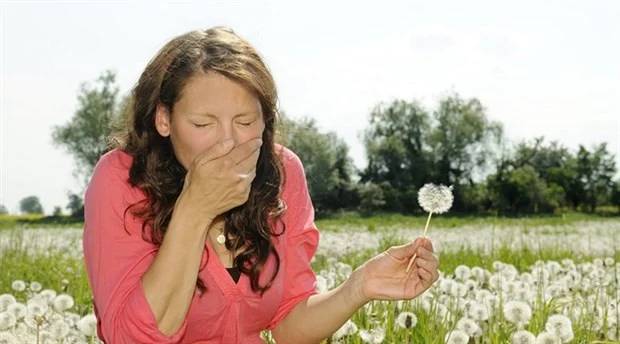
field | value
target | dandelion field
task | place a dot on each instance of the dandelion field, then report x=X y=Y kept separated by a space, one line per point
x=529 y=281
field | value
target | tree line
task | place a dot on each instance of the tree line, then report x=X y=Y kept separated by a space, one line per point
x=406 y=147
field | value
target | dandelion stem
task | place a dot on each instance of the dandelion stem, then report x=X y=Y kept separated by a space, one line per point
x=428 y=220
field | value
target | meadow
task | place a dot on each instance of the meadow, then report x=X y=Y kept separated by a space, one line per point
x=503 y=280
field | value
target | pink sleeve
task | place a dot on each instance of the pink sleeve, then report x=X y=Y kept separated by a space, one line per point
x=116 y=260
x=302 y=238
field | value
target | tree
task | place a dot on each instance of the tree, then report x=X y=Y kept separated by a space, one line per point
x=3 y=210
x=554 y=163
x=57 y=211
x=397 y=151
x=595 y=170
x=615 y=196
x=30 y=205
x=75 y=205
x=462 y=141
x=326 y=163
x=523 y=191
x=85 y=136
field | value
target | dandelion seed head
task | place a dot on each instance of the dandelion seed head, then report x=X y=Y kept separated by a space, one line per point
x=523 y=337
x=63 y=302
x=456 y=337
x=59 y=329
x=406 y=320
x=8 y=338
x=18 y=285
x=18 y=309
x=469 y=326
x=347 y=329
x=436 y=199
x=35 y=286
x=547 y=338
x=560 y=325
x=5 y=301
x=7 y=320
x=88 y=325
x=37 y=307
x=517 y=312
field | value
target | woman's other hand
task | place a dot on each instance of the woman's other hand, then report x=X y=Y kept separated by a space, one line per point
x=384 y=276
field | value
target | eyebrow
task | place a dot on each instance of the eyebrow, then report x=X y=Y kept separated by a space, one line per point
x=207 y=114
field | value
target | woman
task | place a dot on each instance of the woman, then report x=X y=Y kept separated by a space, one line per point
x=199 y=228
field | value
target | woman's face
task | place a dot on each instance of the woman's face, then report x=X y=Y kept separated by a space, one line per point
x=211 y=109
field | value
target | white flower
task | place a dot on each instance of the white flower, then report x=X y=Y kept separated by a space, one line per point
x=406 y=320
x=7 y=320
x=37 y=306
x=523 y=337
x=435 y=199
x=547 y=338
x=48 y=294
x=517 y=312
x=18 y=285
x=478 y=312
x=462 y=272
x=374 y=336
x=456 y=337
x=7 y=338
x=469 y=326
x=63 y=302
x=88 y=325
x=35 y=286
x=5 y=301
x=561 y=326
x=347 y=329
x=59 y=329
x=18 y=309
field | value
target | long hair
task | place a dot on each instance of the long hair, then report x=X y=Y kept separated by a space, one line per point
x=155 y=168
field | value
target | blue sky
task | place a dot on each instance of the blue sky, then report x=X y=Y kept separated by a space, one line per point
x=539 y=67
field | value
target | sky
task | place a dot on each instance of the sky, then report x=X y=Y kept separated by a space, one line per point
x=541 y=68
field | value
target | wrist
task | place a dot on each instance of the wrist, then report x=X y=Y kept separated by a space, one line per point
x=355 y=288
x=186 y=209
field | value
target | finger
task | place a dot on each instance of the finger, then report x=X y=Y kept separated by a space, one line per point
x=425 y=253
x=245 y=150
x=249 y=163
x=425 y=275
x=429 y=265
x=213 y=152
x=404 y=251
x=426 y=243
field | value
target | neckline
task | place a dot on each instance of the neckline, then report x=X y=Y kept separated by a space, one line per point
x=221 y=274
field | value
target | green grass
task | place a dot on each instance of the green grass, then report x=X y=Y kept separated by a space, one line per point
x=49 y=269
x=38 y=221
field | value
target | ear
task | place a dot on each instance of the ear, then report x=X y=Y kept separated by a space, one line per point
x=162 y=120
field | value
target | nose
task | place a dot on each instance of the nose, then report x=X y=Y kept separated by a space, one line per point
x=227 y=132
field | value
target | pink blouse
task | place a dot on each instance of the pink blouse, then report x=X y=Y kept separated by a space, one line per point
x=228 y=312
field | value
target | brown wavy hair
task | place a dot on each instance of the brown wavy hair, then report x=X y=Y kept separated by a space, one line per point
x=155 y=168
